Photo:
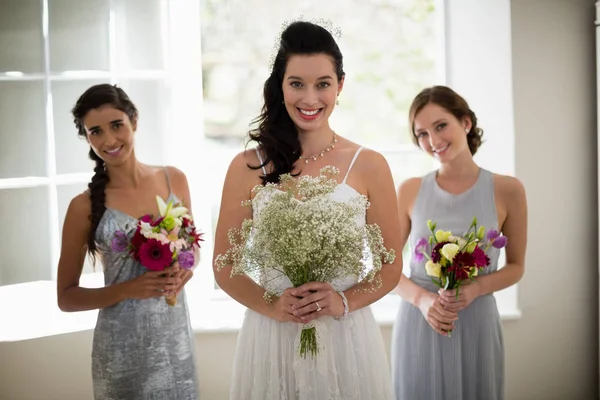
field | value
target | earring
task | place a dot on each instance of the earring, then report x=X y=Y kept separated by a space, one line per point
x=337 y=102
x=466 y=131
x=282 y=101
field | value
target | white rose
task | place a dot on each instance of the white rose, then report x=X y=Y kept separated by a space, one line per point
x=449 y=251
x=433 y=269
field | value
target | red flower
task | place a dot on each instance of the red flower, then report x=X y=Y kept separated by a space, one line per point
x=435 y=253
x=154 y=255
x=461 y=265
x=480 y=259
x=136 y=242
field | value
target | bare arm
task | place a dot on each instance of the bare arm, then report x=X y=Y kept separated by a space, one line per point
x=515 y=229
x=71 y=297
x=384 y=213
x=241 y=288
x=407 y=194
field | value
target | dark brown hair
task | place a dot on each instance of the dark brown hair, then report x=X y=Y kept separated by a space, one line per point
x=95 y=97
x=276 y=133
x=447 y=98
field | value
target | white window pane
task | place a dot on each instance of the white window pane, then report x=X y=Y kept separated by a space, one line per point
x=79 y=35
x=65 y=195
x=23 y=138
x=25 y=243
x=21 y=41
x=71 y=150
x=152 y=99
x=139 y=34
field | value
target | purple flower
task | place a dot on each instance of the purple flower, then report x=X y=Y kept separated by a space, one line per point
x=120 y=242
x=186 y=259
x=500 y=242
x=420 y=248
x=492 y=235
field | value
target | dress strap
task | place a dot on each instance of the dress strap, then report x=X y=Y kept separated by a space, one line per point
x=264 y=170
x=352 y=163
x=168 y=179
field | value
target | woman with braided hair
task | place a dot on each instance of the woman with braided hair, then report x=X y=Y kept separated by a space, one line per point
x=143 y=348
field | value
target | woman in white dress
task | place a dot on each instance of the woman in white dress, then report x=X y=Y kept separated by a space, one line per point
x=294 y=136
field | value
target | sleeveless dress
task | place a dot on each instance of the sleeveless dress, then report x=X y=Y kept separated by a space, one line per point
x=352 y=366
x=142 y=349
x=469 y=365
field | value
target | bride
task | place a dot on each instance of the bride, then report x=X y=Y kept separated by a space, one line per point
x=293 y=135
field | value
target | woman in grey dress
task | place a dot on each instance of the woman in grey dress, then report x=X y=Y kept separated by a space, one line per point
x=468 y=365
x=143 y=348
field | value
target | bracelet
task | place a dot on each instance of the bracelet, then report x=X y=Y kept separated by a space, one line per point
x=345 y=301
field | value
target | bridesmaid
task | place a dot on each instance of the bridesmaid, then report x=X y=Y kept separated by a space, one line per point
x=469 y=365
x=143 y=348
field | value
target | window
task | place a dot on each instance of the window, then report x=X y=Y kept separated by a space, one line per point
x=195 y=69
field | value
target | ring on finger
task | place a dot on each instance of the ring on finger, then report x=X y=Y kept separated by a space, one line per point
x=318 y=306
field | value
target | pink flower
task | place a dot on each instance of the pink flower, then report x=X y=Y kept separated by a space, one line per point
x=492 y=235
x=154 y=255
x=500 y=242
x=171 y=238
x=186 y=259
x=420 y=248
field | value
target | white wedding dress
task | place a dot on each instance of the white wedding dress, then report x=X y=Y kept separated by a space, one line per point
x=351 y=363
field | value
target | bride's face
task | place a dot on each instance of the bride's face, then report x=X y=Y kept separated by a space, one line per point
x=310 y=89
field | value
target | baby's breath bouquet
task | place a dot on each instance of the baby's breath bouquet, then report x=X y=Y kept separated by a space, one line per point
x=299 y=231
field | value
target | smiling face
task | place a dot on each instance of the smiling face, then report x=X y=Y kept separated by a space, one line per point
x=310 y=89
x=440 y=133
x=110 y=133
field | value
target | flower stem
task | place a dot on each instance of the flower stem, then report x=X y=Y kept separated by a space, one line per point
x=308 y=342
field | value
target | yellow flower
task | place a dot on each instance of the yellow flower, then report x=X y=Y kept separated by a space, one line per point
x=449 y=251
x=442 y=236
x=471 y=247
x=433 y=269
x=475 y=271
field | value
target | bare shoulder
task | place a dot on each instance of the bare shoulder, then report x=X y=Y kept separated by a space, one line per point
x=245 y=163
x=508 y=186
x=244 y=171
x=78 y=213
x=176 y=176
x=81 y=205
x=370 y=161
x=410 y=187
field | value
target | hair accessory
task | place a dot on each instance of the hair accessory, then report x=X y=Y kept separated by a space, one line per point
x=335 y=31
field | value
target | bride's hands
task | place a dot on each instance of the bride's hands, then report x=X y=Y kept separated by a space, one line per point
x=281 y=309
x=317 y=300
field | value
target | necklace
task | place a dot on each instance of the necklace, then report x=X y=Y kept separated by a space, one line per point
x=322 y=152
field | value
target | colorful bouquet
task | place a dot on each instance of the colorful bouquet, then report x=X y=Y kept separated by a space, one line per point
x=302 y=234
x=160 y=242
x=452 y=259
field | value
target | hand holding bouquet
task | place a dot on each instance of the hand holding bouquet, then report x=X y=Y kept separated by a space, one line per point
x=301 y=233
x=161 y=242
x=451 y=259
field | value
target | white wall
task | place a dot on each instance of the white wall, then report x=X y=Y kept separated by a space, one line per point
x=552 y=352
